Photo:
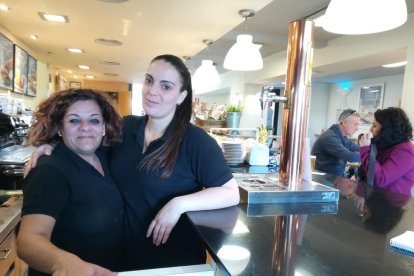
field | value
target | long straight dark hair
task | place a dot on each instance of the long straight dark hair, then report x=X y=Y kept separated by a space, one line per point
x=164 y=157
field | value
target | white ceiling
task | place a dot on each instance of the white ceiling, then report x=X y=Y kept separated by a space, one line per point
x=153 y=27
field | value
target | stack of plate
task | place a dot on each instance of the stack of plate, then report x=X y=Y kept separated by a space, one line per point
x=233 y=151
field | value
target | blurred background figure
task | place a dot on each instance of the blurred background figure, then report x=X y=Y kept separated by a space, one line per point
x=333 y=149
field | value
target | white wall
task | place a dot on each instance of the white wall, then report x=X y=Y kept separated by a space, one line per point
x=217 y=99
x=318 y=110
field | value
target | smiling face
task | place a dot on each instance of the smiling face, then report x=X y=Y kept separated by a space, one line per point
x=83 y=127
x=161 y=90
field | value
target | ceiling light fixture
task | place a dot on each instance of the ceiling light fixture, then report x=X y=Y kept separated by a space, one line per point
x=244 y=55
x=90 y=77
x=34 y=37
x=54 y=17
x=108 y=42
x=4 y=7
x=352 y=17
x=397 y=64
x=206 y=77
x=74 y=50
x=83 y=67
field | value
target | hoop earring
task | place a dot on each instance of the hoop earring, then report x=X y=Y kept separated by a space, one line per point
x=60 y=134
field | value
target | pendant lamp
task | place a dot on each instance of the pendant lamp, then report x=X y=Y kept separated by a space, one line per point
x=244 y=55
x=352 y=17
x=206 y=77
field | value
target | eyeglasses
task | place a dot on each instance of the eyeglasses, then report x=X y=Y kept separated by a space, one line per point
x=346 y=116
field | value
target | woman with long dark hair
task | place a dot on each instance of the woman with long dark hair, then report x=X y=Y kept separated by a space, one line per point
x=166 y=166
x=393 y=167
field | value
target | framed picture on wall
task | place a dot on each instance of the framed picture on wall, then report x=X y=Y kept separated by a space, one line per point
x=370 y=99
x=6 y=63
x=20 y=70
x=31 y=76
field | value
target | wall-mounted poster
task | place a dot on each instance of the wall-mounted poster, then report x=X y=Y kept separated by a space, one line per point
x=20 y=70
x=31 y=76
x=370 y=99
x=6 y=63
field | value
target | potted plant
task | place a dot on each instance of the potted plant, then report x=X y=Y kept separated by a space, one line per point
x=233 y=114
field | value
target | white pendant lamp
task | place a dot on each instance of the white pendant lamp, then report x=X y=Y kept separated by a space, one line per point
x=364 y=16
x=206 y=77
x=244 y=55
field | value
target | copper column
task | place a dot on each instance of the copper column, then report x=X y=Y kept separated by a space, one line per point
x=296 y=109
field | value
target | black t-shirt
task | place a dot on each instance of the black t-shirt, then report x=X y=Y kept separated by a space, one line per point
x=200 y=164
x=87 y=206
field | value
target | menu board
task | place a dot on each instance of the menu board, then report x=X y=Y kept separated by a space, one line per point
x=20 y=70
x=31 y=76
x=6 y=63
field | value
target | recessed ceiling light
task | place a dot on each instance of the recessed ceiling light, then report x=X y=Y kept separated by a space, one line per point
x=110 y=62
x=4 y=7
x=108 y=42
x=70 y=71
x=84 y=67
x=54 y=17
x=113 y=1
x=90 y=77
x=397 y=64
x=34 y=37
x=111 y=74
x=74 y=50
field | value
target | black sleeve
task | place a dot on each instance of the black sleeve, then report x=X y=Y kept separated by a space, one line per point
x=45 y=191
x=209 y=165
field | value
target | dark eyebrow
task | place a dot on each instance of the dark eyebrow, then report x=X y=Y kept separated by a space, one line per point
x=74 y=114
x=167 y=82
x=162 y=81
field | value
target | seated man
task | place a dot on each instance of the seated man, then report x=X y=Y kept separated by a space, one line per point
x=333 y=148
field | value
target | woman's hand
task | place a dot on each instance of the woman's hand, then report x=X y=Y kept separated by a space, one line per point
x=39 y=151
x=163 y=223
x=365 y=140
x=74 y=266
x=359 y=201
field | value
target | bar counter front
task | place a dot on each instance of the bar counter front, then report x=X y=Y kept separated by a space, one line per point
x=306 y=238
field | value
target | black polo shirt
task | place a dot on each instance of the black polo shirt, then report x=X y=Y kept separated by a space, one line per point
x=200 y=164
x=87 y=206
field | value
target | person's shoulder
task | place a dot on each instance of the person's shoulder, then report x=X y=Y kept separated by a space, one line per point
x=408 y=145
x=133 y=121
x=197 y=132
x=330 y=132
x=195 y=135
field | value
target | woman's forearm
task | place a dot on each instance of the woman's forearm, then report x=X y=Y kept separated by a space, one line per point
x=40 y=254
x=211 y=198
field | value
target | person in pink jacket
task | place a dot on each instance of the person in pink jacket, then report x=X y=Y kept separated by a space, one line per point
x=394 y=162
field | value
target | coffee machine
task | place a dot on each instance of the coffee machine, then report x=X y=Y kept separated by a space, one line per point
x=14 y=149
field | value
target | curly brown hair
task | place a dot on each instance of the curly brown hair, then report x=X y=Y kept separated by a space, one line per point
x=47 y=119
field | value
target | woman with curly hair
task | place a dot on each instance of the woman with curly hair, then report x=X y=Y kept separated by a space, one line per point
x=72 y=215
x=394 y=162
